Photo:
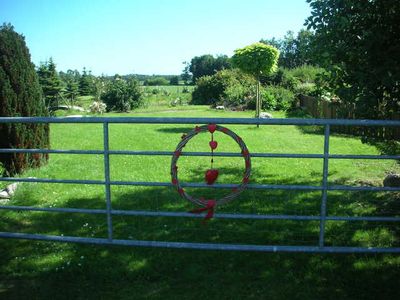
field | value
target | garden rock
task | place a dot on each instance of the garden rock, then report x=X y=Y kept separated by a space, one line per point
x=67 y=107
x=392 y=180
x=265 y=115
x=11 y=188
x=4 y=195
x=9 y=191
x=74 y=116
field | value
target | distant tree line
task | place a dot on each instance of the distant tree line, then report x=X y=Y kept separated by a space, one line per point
x=153 y=80
x=295 y=51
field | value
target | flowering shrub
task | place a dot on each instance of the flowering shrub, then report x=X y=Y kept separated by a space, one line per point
x=98 y=107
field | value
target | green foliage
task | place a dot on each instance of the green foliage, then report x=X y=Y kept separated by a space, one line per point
x=294 y=50
x=300 y=80
x=155 y=91
x=233 y=88
x=358 y=43
x=156 y=81
x=186 y=76
x=121 y=95
x=281 y=77
x=274 y=98
x=161 y=97
x=70 y=81
x=174 y=80
x=256 y=59
x=228 y=87
x=306 y=73
x=268 y=101
x=284 y=98
x=20 y=96
x=50 y=82
x=71 y=90
x=207 y=65
x=85 y=84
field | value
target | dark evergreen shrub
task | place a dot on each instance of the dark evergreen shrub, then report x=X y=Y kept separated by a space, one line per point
x=20 y=96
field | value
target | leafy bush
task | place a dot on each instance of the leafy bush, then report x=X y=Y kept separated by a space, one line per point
x=268 y=101
x=284 y=98
x=230 y=87
x=155 y=91
x=156 y=81
x=122 y=95
x=274 y=98
x=305 y=73
x=238 y=95
x=282 y=77
x=174 y=80
x=307 y=88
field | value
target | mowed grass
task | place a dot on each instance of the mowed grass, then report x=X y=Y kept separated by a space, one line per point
x=166 y=96
x=38 y=270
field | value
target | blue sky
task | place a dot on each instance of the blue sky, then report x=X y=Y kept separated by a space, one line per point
x=145 y=36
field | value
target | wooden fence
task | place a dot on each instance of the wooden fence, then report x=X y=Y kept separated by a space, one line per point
x=327 y=110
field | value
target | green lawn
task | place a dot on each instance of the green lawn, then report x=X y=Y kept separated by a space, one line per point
x=41 y=270
x=167 y=96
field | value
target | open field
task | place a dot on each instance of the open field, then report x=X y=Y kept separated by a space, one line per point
x=167 y=95
x=156 y=97
x=38 y=270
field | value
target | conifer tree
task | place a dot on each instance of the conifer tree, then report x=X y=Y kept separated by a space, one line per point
x=50 y=82
x=85 y=84
x=20 y=96
x=71 y=90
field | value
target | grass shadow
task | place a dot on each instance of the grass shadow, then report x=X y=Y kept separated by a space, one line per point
x=38 y=270
x=175 y=129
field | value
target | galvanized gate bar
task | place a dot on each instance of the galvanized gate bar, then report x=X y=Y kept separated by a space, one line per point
x=169 y=120
x=148 y=213
x=199 y=246
x=324 y=186
x=107 y=182
x=223 y=154
x=203 y=185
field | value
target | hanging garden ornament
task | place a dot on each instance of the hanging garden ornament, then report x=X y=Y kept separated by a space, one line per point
x=211 y=175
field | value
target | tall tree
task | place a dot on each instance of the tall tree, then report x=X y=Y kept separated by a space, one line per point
x=71 y=90
x=85 y=84
x=50 y=82
x=20 y=96
x=208 y=65
x=186 y=77
x=294 y=50
x=174 y=80
x=71 y=83
x=359 y=43
x=257 y=59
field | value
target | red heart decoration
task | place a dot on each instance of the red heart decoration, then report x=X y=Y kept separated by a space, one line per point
x=213 y=144
x=211 y=176
x=212 y=127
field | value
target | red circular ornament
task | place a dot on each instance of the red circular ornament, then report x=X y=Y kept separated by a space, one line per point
x=211 y=174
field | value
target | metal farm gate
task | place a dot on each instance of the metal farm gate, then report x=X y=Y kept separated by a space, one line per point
x=109 y=212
